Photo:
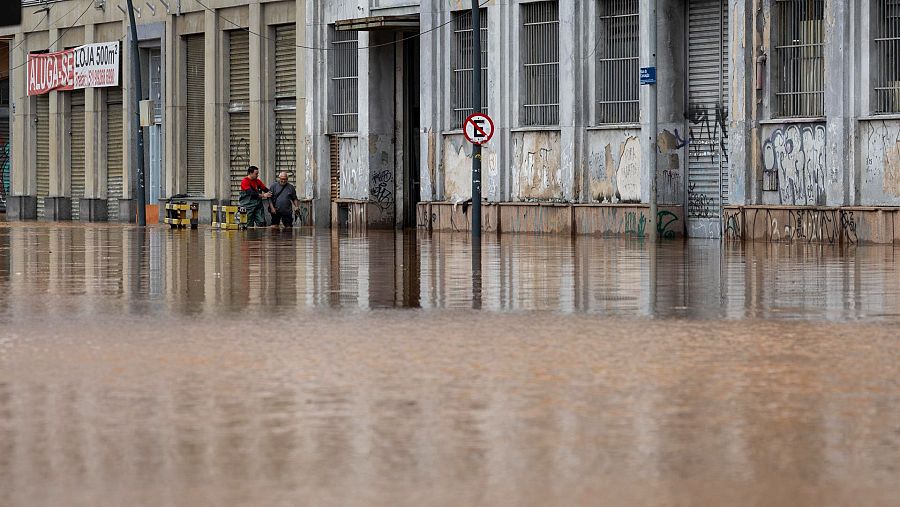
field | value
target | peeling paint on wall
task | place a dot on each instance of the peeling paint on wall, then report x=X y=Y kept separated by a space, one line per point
x=457 y=163
x=536 y=163
x=354 y=185
x=880 y=142
x=796 y=153
x=614 y=163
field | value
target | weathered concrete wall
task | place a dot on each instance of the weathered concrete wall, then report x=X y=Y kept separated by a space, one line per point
x=354 y=183
x=456 y=167
x=808 y=224
x=794 y=162
x=614 y=166
x=537 y=156
x=628 y=221
x=879 y=143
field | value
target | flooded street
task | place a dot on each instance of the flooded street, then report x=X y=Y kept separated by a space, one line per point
x=159 y=367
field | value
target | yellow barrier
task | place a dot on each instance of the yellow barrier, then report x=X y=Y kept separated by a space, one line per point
x=229 y=217
x=177 y=215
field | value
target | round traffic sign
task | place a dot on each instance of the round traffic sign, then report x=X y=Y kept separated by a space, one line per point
x=478 y=128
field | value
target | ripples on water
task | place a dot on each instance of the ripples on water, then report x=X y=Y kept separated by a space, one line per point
x=209 y=272
x=165 y=367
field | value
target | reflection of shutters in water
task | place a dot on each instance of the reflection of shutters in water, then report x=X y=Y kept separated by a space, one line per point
x=114 y=140
x=196 y=130
x=286 y=101
x=707 y=115
x=238 y=108
x=42 y=149
x=76 y=152
x=5 y=154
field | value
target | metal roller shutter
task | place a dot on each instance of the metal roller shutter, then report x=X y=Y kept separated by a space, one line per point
x=76 y=152
x=707 y=115
x=114 y=139
x=196 y=130
x=4 y=160
x=286 y=101
x=238 y=108
x=42 y=151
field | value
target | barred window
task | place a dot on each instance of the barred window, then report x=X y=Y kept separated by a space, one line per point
x=618 y=47
x=886 y=58
x=799 y=71
x=463 y=66
x=345 y=82
x=540 y=57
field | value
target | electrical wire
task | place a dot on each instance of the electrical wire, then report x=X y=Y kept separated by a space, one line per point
x=312 y=48
x=46 y=17
x=62 y=33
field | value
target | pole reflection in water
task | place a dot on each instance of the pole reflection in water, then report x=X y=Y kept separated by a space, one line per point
x=161 y=367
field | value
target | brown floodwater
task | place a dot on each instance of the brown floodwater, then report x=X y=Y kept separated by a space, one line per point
x=159 y=367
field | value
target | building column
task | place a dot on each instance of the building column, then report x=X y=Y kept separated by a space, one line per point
x=22 y=202
x=741 y=87
x=304 y=175
x=93 y=205
x=128 y=203
x=57 y=205
x=174 y=116
x=571 y=73
x=260 y=93
x=215 y=156
x=839 y=136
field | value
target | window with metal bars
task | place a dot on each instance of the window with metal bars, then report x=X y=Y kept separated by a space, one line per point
x=618 y=62
x=344 y=81
x=540 y=60
x=886 y=62
x=799 y=70
x=463 y=55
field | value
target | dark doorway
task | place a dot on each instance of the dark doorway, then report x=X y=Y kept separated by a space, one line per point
x=411 y=134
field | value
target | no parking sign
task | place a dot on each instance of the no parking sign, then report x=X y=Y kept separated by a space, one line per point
x=478 y=128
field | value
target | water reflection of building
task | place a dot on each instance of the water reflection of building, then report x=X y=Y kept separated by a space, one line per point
x=218 y=271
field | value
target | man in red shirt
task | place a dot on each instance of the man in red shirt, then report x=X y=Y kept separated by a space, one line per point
x=253 y=191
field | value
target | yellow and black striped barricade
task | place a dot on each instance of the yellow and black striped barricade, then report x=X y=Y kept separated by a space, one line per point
x=177 y=215
x=229 y=217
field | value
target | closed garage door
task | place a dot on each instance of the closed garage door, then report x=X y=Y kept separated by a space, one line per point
x=196 y=132
x=114 y=140
x=238 y=108
x=286 y=101
x=76 y=152
x=42 y=151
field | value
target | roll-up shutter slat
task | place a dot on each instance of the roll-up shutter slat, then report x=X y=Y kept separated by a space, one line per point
x=238 y=108
x=196 y=129
x=4 y=161
x=76 y=153
x=286 y=101
x=285 y=62
x=114 y=136
x=42 y=151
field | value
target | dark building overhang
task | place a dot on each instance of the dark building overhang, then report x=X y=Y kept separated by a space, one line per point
x=399 y=22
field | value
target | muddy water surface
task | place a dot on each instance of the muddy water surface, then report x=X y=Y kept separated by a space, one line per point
x=262 y=368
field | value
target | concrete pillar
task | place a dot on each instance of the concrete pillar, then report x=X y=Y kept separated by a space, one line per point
x=431 y=97
x=376 y=125
x=57 y=205
x=260 y=93
x=839 y=136
x=215 y=155
x=128 y=203
x=316 y=156
x=93 y=204
x=305 y=178
x=571 y=73
x=741 y=87
x=174 y=119
x=22 y=203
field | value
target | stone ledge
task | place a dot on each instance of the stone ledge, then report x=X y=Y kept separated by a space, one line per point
x=844 y=225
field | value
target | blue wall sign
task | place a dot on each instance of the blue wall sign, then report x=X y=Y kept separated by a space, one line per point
x=648 y=75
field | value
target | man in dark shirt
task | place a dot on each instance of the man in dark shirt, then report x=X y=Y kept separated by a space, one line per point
x=253 y=191
x=284 y=201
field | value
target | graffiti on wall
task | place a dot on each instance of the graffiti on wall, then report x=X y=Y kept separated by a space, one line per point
x=707 y=132
x=811 y=226
x=628 y=174
x=732 y=224
x=383 y=189
x=796 y=153
x=882 y=157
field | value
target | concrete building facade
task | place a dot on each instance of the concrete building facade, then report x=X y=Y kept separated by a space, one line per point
x=778 y=119
x=225 y=91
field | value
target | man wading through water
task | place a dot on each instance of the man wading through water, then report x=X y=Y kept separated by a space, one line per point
x=253 y=191
x=284 y=201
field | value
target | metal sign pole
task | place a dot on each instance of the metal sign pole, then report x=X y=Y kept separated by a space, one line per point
x=653 y=119
x=476 y=108
x=135 y=120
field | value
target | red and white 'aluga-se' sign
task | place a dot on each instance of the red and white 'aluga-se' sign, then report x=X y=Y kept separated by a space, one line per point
x=88 y=66
x=478 y=128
